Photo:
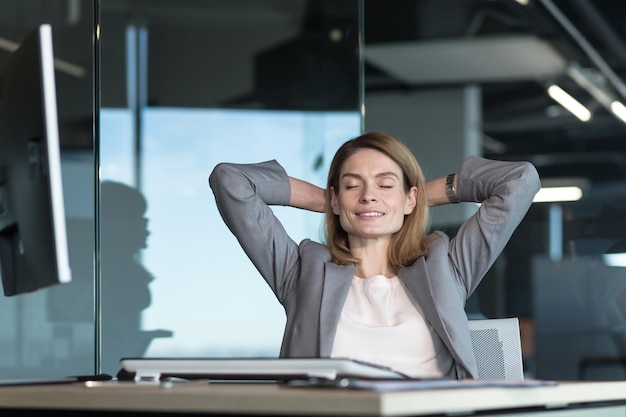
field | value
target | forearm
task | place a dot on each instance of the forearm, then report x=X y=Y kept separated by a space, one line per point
x=244 y=194
x=505 y=191
x=307 y=196
x=436 y=191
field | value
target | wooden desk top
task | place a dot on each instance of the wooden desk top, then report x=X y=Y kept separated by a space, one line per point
x=214 y=398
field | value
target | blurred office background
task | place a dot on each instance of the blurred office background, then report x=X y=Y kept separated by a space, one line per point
x=152 y=94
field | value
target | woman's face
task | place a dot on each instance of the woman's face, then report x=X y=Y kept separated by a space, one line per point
x=371 y=201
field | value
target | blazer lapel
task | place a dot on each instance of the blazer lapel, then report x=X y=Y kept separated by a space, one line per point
x=417 y=281
x=337 y=280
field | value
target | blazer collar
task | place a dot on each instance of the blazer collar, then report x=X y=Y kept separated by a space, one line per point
x=337 y=280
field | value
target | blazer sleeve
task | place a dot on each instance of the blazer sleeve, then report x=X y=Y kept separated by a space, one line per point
x=505 y=191
x=244 y=194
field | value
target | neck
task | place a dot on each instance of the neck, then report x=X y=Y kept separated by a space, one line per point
x=367 y=273
x=374 y=260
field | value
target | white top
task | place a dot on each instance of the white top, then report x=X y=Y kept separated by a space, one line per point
x=381 y=325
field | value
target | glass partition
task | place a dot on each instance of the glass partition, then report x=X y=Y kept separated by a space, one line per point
x=185 y=85
x=51 y=332
x=433 y=66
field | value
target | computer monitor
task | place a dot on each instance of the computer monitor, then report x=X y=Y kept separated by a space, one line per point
x=33 y=239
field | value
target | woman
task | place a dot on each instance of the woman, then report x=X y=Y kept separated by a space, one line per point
x=382 y=289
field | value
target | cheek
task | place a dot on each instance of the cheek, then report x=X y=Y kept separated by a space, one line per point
x=398 y=221
x=343 y=214
x=401 y=212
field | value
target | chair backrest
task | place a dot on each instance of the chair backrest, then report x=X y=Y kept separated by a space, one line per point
x=498 y=348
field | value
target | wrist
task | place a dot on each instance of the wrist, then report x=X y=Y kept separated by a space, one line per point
x=451 y=189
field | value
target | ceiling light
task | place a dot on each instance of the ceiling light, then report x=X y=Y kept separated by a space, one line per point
x=558 y=194
x=561 y=189
x=619 y=110
x=615 y=259
x=595 y=84
x=592 y=81
x=570 y=103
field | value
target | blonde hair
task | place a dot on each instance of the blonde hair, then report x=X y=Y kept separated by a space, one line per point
x=408 y=243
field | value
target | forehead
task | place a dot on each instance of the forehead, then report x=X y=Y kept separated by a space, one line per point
x=369 y=161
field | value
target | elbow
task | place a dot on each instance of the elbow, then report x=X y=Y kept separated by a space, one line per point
x=225 y=180
x=216 y=174
x=228 y=181
x=528 y=182
x=534 y=179
x=531 y=177
x=220 y=174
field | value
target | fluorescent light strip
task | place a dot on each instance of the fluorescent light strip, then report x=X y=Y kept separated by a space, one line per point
x=619 y=110
x=570 y=103
x=615 y=259
x=556 y=194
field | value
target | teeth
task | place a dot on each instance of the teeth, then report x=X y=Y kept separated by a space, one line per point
x=371 y=214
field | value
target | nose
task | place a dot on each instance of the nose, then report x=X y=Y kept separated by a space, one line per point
x=367 y=195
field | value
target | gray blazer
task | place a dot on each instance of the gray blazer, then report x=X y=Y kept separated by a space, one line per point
x=312 y=289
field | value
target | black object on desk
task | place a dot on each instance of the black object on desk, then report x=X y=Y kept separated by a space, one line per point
x=95 y=377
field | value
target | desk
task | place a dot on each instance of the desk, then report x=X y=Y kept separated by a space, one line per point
x=565 y=399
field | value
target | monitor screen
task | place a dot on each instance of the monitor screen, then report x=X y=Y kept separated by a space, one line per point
x=33 y=240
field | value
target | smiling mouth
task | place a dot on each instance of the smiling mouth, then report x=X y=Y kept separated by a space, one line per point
x=371 y=214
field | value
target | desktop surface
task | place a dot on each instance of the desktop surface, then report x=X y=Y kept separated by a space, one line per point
x=202 y=397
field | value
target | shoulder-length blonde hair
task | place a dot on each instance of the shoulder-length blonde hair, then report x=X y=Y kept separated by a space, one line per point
x=408 y=243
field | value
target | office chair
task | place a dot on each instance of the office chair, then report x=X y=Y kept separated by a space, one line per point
x=498 y=348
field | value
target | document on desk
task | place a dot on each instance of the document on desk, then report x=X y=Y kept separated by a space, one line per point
x=389 y=385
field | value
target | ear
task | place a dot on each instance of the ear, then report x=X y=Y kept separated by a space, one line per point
x=411 y=200
x=334 y=204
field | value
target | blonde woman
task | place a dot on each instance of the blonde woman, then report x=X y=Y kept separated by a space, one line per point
x=382 y=288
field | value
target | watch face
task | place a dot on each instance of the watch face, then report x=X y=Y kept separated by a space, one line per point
x=450 y=191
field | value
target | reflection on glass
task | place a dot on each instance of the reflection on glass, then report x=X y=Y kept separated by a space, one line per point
x=125 y=288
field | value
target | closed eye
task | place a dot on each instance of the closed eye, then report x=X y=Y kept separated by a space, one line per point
x=388 y=183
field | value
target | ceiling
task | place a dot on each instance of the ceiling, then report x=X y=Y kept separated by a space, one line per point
x=514 y=51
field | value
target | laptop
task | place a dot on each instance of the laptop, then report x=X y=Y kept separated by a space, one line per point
x=251 y=369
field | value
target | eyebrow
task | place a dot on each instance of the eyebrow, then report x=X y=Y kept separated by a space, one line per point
x=379 y=175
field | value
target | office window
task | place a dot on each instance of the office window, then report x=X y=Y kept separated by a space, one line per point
x=206 y=298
